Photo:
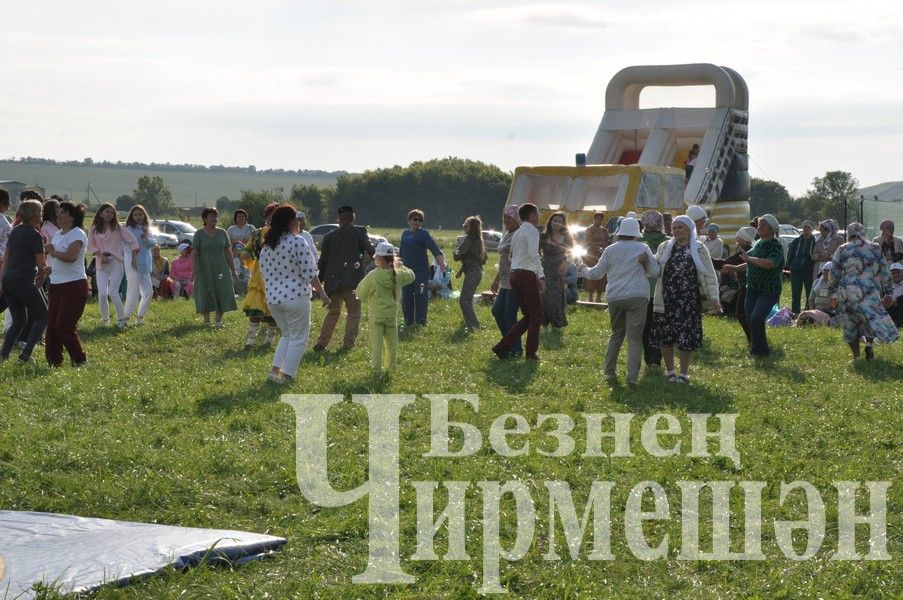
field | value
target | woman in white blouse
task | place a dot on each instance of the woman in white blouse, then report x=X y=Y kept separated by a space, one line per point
x=289 y=271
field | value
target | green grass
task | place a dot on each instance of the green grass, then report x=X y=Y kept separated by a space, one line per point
x=188 y=188
x=175 y=424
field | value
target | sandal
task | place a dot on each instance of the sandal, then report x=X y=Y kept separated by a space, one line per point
x=683 y=379
x=671 y=377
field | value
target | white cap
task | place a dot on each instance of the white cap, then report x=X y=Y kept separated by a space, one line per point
x=896 y=267
x=385 y=249
x=631 y=215
x=183 y=247
x=300 y=215
x=629 y=227
x=827 y=266
x=696 y=212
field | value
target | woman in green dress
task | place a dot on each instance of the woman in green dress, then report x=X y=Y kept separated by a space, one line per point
x=214 y=270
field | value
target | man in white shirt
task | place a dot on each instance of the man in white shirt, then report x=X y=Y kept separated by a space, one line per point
x=302 y=221
x=527 y=281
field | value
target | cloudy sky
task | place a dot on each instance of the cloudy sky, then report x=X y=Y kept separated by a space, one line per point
x=355 y=85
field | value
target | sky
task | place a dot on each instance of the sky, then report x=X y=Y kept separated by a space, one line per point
x=353 y=85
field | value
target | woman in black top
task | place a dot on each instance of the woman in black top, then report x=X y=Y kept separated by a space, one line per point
x=23 y=273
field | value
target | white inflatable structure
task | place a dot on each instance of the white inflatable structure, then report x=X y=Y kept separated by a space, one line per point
x=664 y=136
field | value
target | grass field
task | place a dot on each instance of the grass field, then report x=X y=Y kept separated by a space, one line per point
x=188 y=188
x=176 y=424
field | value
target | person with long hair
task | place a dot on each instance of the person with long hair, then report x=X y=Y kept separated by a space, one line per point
x=380 y=289
x=861 y=292
x=214 y=270
x=472 y=255
x=49 y=223
x=555 y=245
x=107 y=242
x=687 y=286
x=289 y=271
x=21 y=278
x=139 y=278
x=255 y=303
x=69 y=289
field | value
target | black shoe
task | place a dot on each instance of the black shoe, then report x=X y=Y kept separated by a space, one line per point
x=869 y=353
x=501 y=353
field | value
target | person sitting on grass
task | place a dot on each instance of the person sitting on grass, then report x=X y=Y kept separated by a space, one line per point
x=381 y=290
x=159 y=274
x=181 y=271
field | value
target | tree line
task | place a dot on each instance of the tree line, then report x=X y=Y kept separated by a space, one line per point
x=154 y=166
x=451 y=189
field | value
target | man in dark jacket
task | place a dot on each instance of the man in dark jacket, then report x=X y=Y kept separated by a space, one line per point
x=343 y=253
x=799 y=259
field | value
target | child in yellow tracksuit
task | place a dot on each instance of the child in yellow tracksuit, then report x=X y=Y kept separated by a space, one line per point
x=381 y=290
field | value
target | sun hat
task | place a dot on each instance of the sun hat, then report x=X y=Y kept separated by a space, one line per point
x=629 y=227
x=896 y=267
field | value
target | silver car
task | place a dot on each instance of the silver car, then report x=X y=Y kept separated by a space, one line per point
x=491 y=240
x=182 y=230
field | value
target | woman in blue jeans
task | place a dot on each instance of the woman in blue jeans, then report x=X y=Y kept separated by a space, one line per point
x=764 y=264
x=22 y=278
x=506 y=304
x=415 y=241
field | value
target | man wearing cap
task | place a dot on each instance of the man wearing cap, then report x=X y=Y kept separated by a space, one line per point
x=896 y=309
x=891 y=245
x=341 y=266
x=699 y=216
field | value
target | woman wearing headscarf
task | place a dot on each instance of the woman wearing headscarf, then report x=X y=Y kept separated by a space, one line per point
x=595 y=241
x=630 y=263
x=861 y=287
x=891 y=245
x=688 y=285
x=827 y=243
x=799 y=260
x=653 y=222
x=764 y=265
x=713 y=243
x=746 y=237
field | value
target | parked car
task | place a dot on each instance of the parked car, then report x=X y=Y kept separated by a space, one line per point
x=164 y=240
x=183 y=231
x=788 y=233
x=320 y=231
x=491 y=240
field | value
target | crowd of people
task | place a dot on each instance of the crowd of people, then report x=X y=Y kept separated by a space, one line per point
x=659 y=276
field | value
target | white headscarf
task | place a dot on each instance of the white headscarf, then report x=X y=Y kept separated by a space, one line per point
x=694 y=245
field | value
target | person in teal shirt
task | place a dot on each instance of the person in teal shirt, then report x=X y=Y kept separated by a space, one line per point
x=764 y=264
x=380 y=290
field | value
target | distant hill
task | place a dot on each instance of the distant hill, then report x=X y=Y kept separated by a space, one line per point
x=891 y=190
x=190 y=187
